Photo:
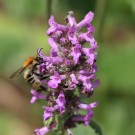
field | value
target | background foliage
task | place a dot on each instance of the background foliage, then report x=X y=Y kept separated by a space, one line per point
x=23 y=26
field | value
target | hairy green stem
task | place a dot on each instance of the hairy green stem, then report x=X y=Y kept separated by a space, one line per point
x=96 y=127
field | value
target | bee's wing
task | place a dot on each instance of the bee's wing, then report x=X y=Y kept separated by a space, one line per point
x=18 y=72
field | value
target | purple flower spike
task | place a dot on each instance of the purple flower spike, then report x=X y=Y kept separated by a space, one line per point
x=37 y=95
x=61 y=102
x=41 y=131
x=68 y=74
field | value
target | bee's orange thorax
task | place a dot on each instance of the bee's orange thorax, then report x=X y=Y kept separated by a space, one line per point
x=28 y=61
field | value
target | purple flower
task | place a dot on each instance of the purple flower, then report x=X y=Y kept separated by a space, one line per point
x=79 y=118
x=76 y=53
x=84 y=37
x=37 y=95
x=90 y=54
x=86 y=73
x=71 y=35
x=54 y=53
x=87 y=81
x=95 y=83
x=54 y=26
x=56 y=60
x=93 y=42
x=74 y=79
x=49 y=111
x=61 y=102
x=68 y=62
x=87 y=107
x=87 y=85
x=55 y=80
x=42 y=68
x=88 y=117
x=90 y=28
x=63 y=41
x=71 y=122
x=87 y=19
x=53 y=44
x=52 y=84
x=41 y=131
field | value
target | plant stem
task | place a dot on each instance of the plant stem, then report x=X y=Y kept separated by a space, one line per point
x=49 y=8
x=100 y=15
x=96 y=127
x=63 y=132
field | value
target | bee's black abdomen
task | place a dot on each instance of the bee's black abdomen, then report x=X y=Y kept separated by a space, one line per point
x=29 y=75
x=30 y=80
x=33 y=81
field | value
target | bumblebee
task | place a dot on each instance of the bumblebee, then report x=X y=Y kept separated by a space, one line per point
x=31 y=71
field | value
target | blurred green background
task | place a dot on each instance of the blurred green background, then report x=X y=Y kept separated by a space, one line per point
x=23 y=26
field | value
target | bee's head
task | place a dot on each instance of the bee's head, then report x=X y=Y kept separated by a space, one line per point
x=39 y=59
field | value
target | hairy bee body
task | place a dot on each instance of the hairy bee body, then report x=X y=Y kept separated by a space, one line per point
x=31 y=69
x=32 y=78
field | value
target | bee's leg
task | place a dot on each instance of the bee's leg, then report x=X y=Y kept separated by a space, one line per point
x=41 y=88
x=42 y=77
x=39 y=75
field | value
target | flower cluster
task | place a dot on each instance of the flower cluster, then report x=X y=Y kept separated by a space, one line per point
x=70 y=71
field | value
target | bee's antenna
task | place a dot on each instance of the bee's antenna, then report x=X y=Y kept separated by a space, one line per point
x=38 y=51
